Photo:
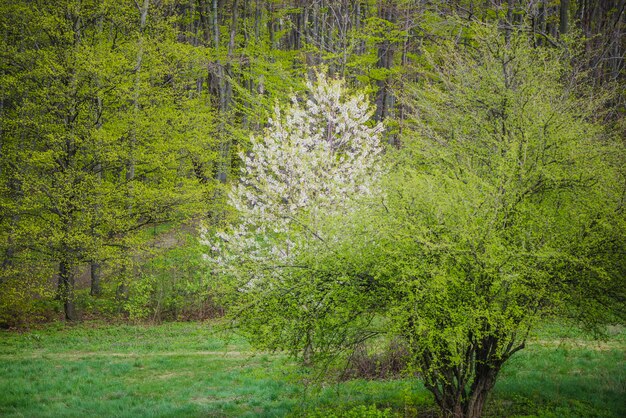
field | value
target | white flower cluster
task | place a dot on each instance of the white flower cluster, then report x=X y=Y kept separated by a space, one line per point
x=315 y=157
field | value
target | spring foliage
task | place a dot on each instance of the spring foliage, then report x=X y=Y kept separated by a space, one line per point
x=506 y=207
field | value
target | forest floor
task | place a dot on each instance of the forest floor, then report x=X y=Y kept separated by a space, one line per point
x=188 y=370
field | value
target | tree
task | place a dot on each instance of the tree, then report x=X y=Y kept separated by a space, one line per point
x=314 y=162
x=315 y=157
x=505 y=205
x=508 y=202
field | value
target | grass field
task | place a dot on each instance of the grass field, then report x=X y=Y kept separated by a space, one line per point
x=188 y=370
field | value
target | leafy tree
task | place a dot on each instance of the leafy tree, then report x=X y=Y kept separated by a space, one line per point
x=100 y=136
x=507 y=199
x=315 y=160
x=505 y=205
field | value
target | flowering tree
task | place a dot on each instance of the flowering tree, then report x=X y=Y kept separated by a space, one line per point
x=318 y=161
x=315 y=158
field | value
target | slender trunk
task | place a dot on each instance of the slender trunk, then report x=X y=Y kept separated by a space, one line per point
x=257 y=21
x=384 y=98
x=305 y=25
x=224 y=88
x=94 y=265
x=219 y=71
x=270 y=25
x=143 y=14
x=617 y=39
x=564 y=17
x=130 y=166
x=357 y=25
x=553 y=27
x=541 y=22
x=509 y=21
x=344 y=44
x=66 y=216
x=233 y=29
x=7 y=260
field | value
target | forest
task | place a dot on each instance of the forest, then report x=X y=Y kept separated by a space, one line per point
x=399 y=192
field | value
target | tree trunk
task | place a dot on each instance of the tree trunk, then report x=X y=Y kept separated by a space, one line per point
x=95 y=278
x=451 y=403
x=94 y=266
x=509 y=21
x=475 y=408
x=456 y=402
x=461 y=390
x=541 y=22
x=483 y=383
x=66 y=290
x=220 y=74
x=384 y=98
x=131 y=163
x=564 y=17
x=143 y=14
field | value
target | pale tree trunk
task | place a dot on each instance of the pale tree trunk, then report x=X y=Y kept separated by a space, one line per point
x=360 y=48
x=67 y=254
x=618 y=37
x=143 y=15
x=226 y=98
x=384 y=98
x=94 y=264
x=220 y=75
x=130 y=167
x=541 y=22
x=271 y=25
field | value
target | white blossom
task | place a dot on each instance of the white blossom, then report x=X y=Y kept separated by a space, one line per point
x=316 y=156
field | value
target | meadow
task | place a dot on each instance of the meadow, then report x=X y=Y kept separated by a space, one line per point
x=192 y=370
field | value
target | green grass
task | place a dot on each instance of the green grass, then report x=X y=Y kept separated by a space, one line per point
x=565 y=373
x=185 y=369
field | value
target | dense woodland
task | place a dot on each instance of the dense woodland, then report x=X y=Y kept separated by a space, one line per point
x=122 y=123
